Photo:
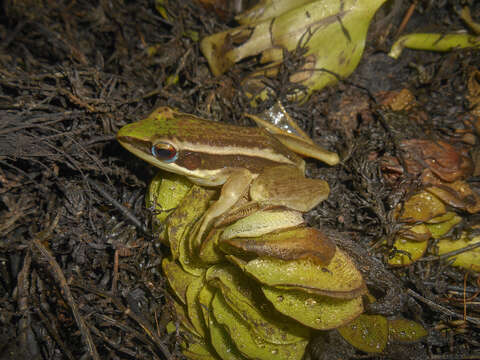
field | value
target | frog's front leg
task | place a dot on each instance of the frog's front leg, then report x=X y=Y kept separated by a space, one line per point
x=285 y=185
x=233 y=189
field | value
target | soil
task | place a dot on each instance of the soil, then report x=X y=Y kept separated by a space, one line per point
x=80 y=270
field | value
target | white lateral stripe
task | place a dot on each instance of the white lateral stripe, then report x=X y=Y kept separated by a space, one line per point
x=268 y=154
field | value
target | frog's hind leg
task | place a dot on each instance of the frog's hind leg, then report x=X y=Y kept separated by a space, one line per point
x=285 y=185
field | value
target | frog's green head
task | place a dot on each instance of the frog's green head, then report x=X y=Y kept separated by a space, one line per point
x=154 y=139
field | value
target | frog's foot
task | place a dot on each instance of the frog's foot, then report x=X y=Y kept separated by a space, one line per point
x=232 y=191
x=284 y=185
x=280 y=124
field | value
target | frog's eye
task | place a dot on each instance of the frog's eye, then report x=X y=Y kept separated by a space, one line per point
x=164 y=151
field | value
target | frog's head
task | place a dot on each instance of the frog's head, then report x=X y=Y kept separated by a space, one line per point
x=154 y=140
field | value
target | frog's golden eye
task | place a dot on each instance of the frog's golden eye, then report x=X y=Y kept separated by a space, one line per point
x=164 y=151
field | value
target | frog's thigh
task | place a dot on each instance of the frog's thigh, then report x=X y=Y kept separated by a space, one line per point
x=285 y=185
x=232 y=190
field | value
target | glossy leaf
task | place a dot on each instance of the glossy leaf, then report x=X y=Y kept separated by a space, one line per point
x=177 y=278
x=194 y=310
x=422 y=207
x=403 y=330
x=339 y=279
x=315 y=311
x=442 y=228
x=416 y=249
x=470 y=259
x=368 y=333
x=434 y=42
x=263 y=222
x=248 y=344
x=249 y=303
x=222 y=342
x=191 y=207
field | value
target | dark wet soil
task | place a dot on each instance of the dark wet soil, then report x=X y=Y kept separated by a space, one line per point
x=79 y=278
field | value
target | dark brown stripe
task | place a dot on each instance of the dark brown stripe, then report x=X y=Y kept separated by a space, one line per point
x=195 y=160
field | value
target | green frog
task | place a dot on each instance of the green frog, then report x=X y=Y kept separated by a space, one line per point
x=245 y=161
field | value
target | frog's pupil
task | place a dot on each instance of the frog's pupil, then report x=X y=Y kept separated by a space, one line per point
x=164 y=152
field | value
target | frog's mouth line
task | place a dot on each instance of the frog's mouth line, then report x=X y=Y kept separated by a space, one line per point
x=131 y=143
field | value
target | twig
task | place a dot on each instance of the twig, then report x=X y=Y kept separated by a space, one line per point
x=147 y=327
x=406 y=18
x=442 y=309
x=451 y=253
x=60 y=278
x=127 y=213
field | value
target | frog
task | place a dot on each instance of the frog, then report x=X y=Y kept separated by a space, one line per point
x=242 y=161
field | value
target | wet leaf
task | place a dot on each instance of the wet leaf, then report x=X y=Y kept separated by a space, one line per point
x=434 y=42
x=263 y=222
x=470 y=259
x=416 y=250
x=339 y=279
x=334 y=34
x=248 y=344
x=192 y=206
x=222 y=342
x=247 y=300
x=200 y=351
x=165 y=192
x=194 y=310
x=204 y=299
x=315 y=311
x=403 y=330
x=181 y=312
x=209 y=252
x=368 y=333
x=457 y=194
x=442 y=228
x=422 y=207
x=439 y=157
x=177 y=278
x=418 y=232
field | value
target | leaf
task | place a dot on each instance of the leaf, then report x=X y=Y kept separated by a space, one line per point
x=339 y=279
x=315 y=311
x=368 y=333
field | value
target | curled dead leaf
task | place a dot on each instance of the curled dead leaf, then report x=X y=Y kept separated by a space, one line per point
x=302 y=243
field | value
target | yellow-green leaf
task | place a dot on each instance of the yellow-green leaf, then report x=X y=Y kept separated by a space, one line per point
x=247 y=300
x=339 y=279
x=416 y=249
x=249 y=345
x=194 y=310
x=441 y=228
x=368 y=333
x=177 y=278
x=470 y=259
x=434 y=42
x=403 y=330
x=263 y=222
x=222 y=342
x=315 y=311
